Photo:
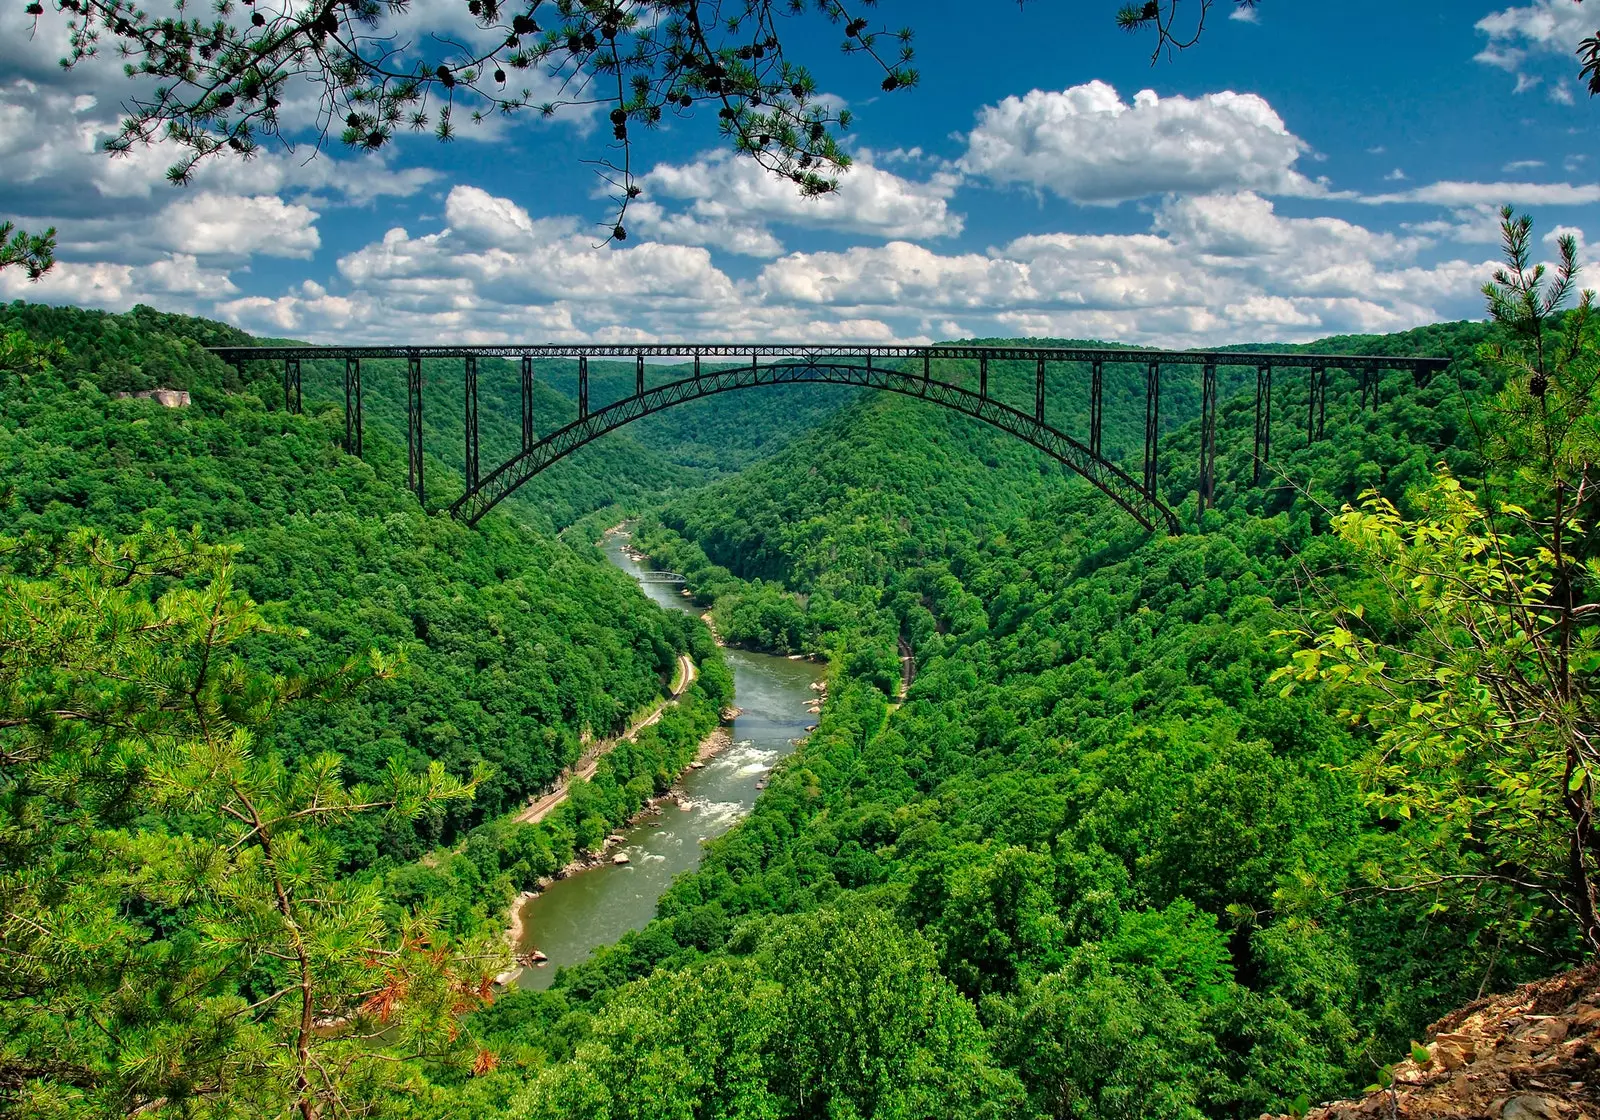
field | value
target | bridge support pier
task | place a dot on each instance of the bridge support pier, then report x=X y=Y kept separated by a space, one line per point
x=1317 y=405
x=414 y=426
x=1096 y=369
x=527 y=402
x=1208 y=435
x=1038 y=392
x=291 y=385
x=352 y=406
x=469 y=411
x=1369 y=387
x=638 y=375
x=1263 y=452
x=583 y=387
x=1152 y=424
x=983 y=377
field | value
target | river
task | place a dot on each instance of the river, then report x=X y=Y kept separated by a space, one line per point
x=576 y=915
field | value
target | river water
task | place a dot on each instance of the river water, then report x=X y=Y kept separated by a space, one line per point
x=576 y=915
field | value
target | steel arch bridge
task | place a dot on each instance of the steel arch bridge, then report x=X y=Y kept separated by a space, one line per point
x=907 y=370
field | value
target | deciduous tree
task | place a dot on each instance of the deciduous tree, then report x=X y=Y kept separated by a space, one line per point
x=1478 y=677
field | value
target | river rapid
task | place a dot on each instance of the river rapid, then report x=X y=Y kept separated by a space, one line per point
x=576 y=915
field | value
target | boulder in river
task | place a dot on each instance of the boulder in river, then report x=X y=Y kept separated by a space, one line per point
x=620 y=858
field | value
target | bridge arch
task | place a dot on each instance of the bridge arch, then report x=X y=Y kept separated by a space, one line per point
x=1111 y=479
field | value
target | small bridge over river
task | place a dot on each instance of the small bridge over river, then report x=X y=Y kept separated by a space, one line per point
x=907 y=370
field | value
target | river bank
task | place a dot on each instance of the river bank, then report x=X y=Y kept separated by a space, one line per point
x=599 y=899
x=541 y=807
x=711 y=746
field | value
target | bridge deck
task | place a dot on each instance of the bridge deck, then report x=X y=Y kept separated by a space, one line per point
x=907 y=370
x=746 y=350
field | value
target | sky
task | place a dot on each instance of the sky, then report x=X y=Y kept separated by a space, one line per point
x=1307 y=170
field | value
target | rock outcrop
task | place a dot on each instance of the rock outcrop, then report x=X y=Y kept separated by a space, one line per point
x=167 y=398
x=1533 y=1054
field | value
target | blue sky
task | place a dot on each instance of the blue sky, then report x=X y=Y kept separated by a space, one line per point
x=1316 y=169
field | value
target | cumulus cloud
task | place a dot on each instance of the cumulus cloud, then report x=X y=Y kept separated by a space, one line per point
x=52 y=144
x=1467 y=225
x=125 y=233
x=1211 y=268
x=495 y=271
x=729 y=202
x=1087 y=144
x=175 y=281
x=240 y=225
x=1548 y=25
x=1541 y=29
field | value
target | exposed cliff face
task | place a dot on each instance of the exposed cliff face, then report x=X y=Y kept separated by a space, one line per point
x=1533 y=1054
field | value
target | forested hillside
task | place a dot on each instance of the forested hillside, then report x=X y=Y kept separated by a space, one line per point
x=517 y=645
x=1121 y=873
x=495 y=655
x=1116 y=851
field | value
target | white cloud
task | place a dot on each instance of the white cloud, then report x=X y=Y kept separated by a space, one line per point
x=1553 y=26
x=1211 y=268
x=238 y=225
x=1478 y=224
x=1553 y=237
x=1245 y=14
x=1522 y=165
x=52 y=144
x=1561 y=93
x=1532 y=33
x=1475 y=194
x=496 y=272
x=1087 y=144
x=747 y=239
x=1395 y=176
x=176 y=281
x=731 y=201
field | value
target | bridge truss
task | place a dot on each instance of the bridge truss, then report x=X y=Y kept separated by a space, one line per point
x=907 y=370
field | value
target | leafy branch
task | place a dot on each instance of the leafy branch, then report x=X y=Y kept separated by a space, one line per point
x=33 y=253
x=221 y=84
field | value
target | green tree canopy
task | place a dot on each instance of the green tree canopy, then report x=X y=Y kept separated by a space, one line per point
x=174 y=936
